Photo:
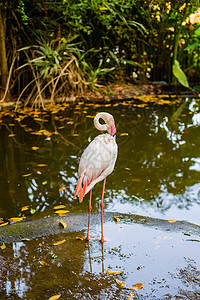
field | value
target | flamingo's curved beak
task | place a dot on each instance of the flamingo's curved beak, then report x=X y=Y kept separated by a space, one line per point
x=112 y=129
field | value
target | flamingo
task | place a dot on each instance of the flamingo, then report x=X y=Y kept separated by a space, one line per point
x=97 y=162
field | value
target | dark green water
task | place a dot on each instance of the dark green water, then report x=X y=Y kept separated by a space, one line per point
x=157 y=171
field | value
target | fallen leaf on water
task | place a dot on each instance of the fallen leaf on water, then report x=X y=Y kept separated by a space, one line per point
x=79 y=238
x=121 y=283
x=26 y=175
x=75 y=134
x=1 y=221
x=43 y=263
x=35 y=148
x=171 y=221
x=113 y=272
x=25 y=208
x=56 y=297
x=122 y=134
x=41 y=165
x=116 y=219
x=62 y=188
x=4 y=224
x=3 y=246
x=137 y=286
x=12 y=134
x=44 y=182
x=16 y=219
x=63 y=224
x=59 y=206
x=59 y=242
x=33 y=210
x=61 y=211
x=131 y=296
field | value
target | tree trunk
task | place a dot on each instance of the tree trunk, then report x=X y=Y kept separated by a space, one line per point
x=3 y=59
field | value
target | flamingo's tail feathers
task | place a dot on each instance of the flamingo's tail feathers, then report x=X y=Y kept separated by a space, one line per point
x=81 y=186
x=84 y=184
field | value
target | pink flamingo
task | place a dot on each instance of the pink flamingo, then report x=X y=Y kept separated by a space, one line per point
x=97 y=162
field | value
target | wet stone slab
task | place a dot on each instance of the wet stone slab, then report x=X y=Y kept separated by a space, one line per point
x=163 y=256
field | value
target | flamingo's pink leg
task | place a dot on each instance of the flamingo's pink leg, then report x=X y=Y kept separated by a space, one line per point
x=102 y=239
x=90 y=207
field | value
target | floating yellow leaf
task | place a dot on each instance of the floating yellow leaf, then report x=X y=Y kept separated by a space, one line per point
x=59 y=206
x=61 y=211
x=131 y=296
x=41 y=165
x=16 y=219
x=59 y=242
x=123 y=134
x=43 y=263
x=4 y=224
x=114 y=272
x=62 y=188
x=12 y=134
x=75 y=134
x=116 y=219
x=25 y=208
x=56 y=297
x=35 y=148
x=136 y=286
x=1 y=221
x=63 y=224
x=79 y=238
x=3 y=247
x=171 y=221
x=121 y=283
x=26 y=175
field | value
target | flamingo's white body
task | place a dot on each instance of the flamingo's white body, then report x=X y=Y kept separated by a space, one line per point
x=97 y=162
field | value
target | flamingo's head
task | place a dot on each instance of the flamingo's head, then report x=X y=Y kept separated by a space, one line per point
x=112 y=129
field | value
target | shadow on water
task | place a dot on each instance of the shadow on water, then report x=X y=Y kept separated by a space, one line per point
x=156 y=174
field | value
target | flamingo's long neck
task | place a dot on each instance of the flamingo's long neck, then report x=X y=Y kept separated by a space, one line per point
x=108 y=119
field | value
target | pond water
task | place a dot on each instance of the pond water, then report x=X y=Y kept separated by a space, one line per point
x=157 y=172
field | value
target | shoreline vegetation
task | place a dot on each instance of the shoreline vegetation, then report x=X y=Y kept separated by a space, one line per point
x=68 y=50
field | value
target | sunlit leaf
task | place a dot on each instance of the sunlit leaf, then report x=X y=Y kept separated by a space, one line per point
x=179 y=74
x=16 y=219
x=25 y=208
x=123 y=134
x=136 y=286
x=63 y=224
x=3 y=247
x=114 y=272
x=61 y=211
x=56 y=297
x=35 y=148
x=116 y=219
x=79 y=238
x=59 y=242
x=43 y=263
x=4 y=224
x=26 y=175
x=62 y=188
x=171 y=221
x=121 y=283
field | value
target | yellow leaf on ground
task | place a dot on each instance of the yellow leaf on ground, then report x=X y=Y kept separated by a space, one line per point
x=4 y=224
x=114 y=272
x=59 y=242
x=116 y=219
x=59 y=206
x=16 y=219
x=56 y=297
x=171 y=221
x=3 y=247
x=63 y=224
x=61 y=211
x=43 y=263
x=25 y=208
x=121 y=283
x=26 y=175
